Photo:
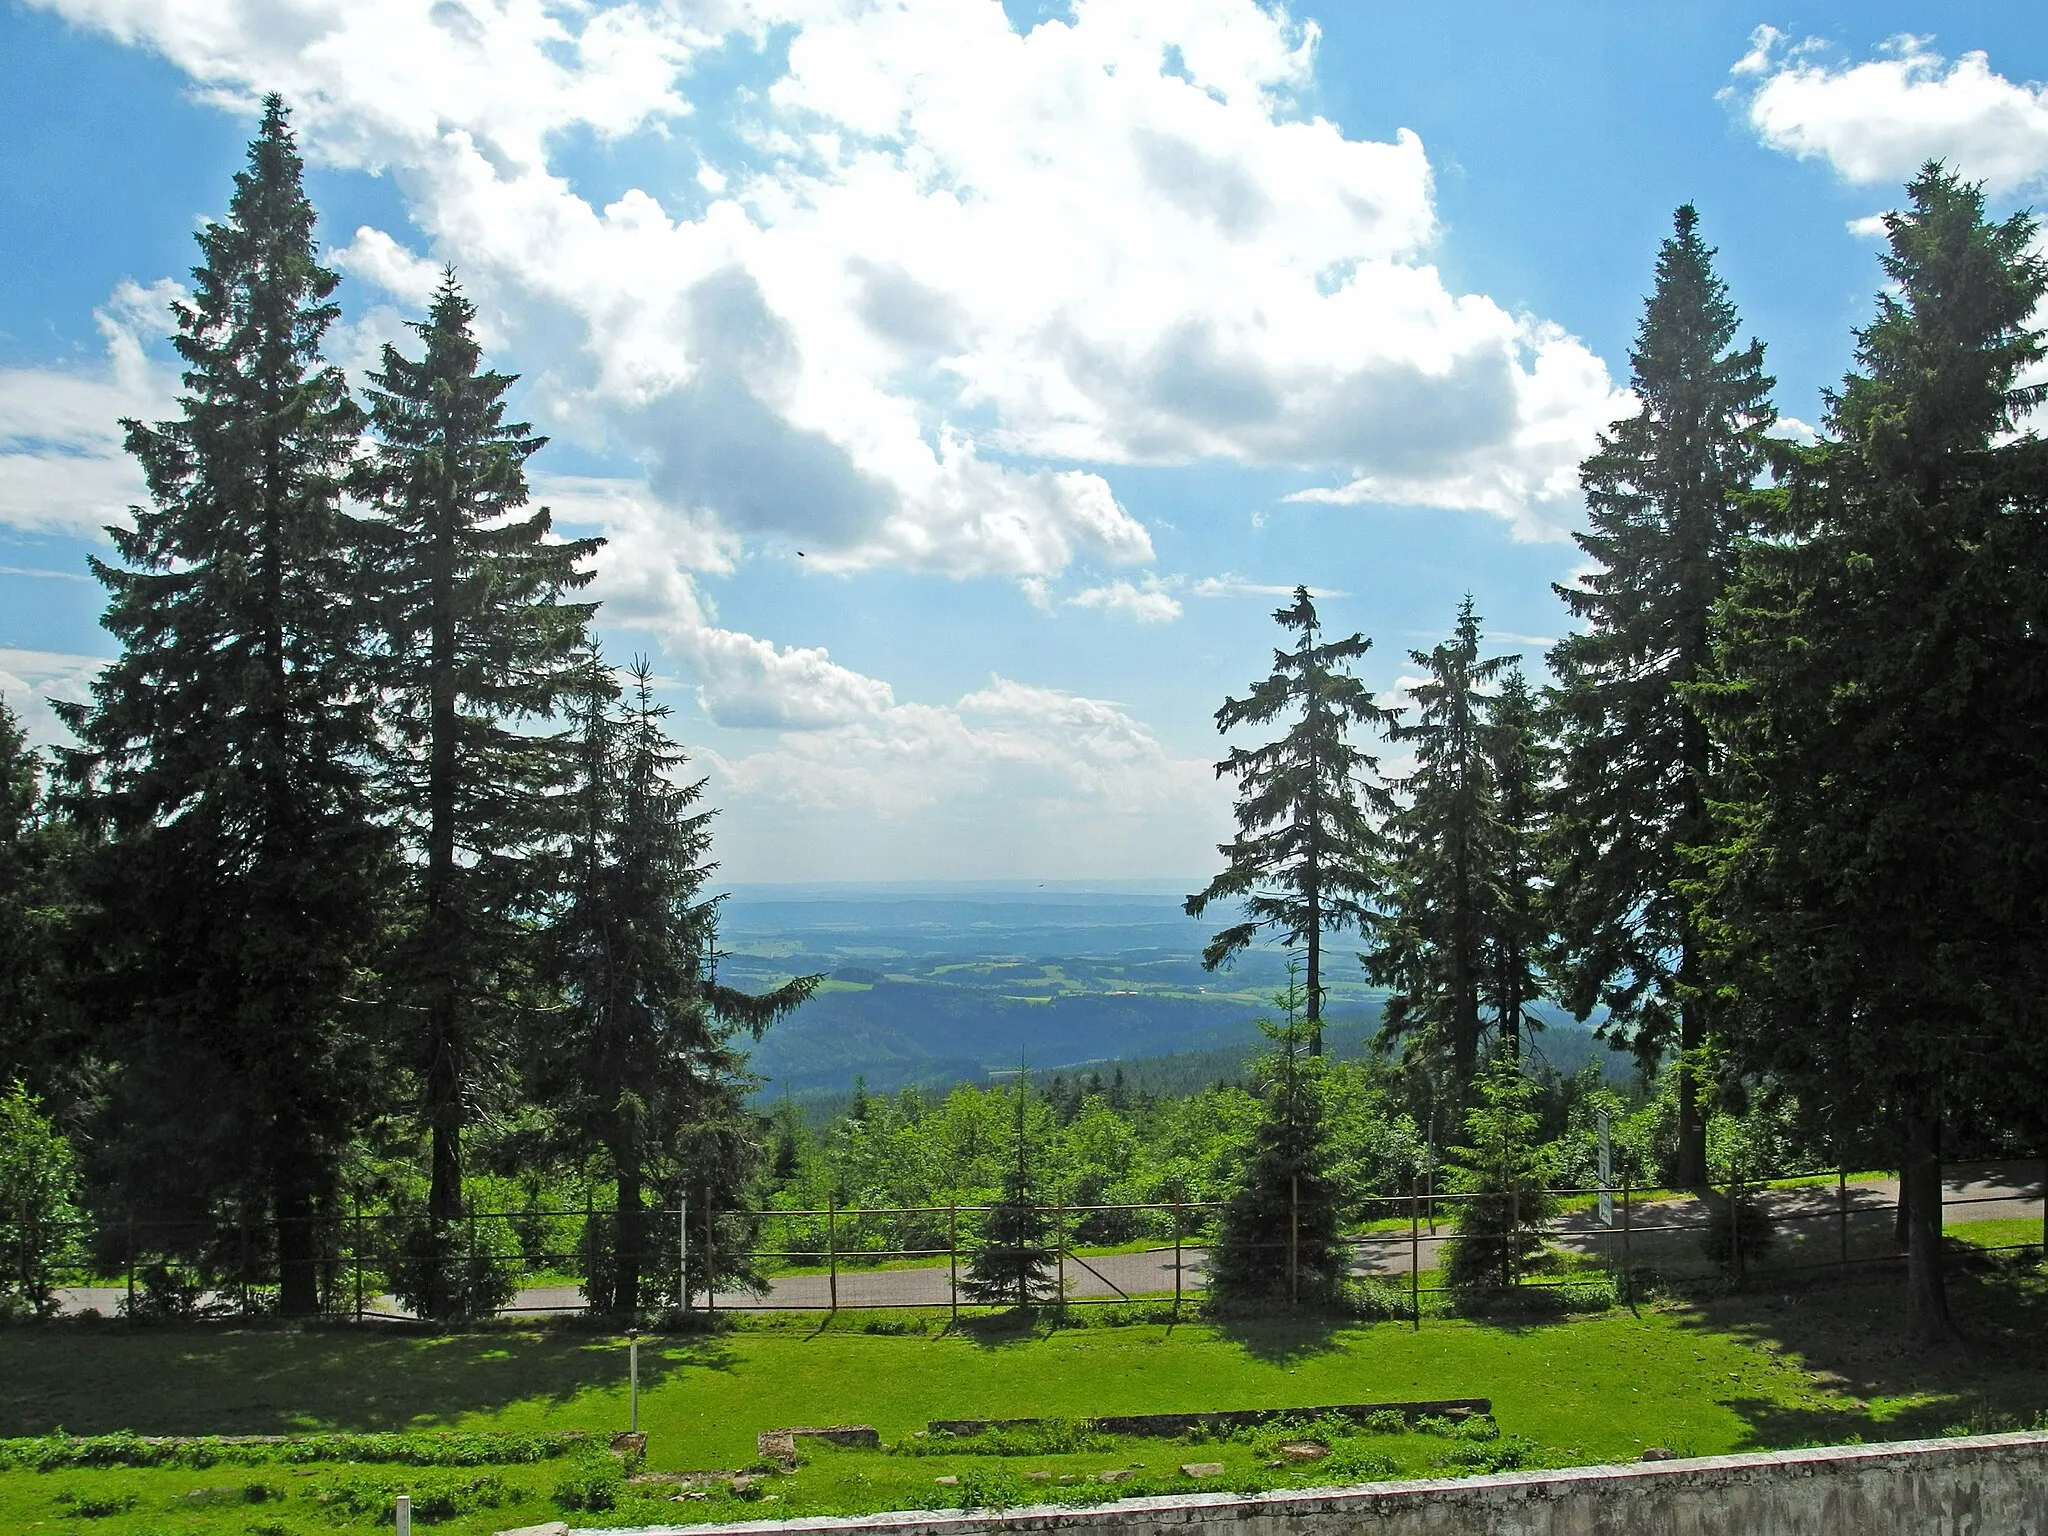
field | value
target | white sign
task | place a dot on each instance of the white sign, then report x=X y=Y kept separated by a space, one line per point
x=1606 y=1175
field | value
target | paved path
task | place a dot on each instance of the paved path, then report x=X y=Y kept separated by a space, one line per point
x=1662 y=1225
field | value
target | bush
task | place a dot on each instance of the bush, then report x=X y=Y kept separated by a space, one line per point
x=1747 y=1223
x=39 y=1226
x=452 y=1270
x=593 y=1485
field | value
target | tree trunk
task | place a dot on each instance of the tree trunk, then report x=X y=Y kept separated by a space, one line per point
x=298 y=1272
x=444 y=918
x=627 y=1260
x=1691 y=1170
x=1315 y=977
x=1927 y=1315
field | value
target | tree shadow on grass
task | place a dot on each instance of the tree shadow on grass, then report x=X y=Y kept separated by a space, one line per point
x=277 y=1379
x=1287 y=1339
x=1851 y=1334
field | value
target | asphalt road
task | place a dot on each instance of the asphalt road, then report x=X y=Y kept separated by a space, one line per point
x=1663 y=1225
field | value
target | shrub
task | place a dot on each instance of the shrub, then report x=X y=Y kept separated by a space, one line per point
x=593 y=1484
x=39 y=1225
x=452 y=1269
x=1750 y=1227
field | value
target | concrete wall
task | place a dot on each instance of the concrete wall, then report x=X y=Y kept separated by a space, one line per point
x=1984 y=1485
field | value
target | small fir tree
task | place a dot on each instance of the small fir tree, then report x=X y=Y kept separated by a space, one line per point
x=44 y=1041
x=1307 y=856
x=1666 y=496
x=481 y=652
x=1013 y=1263
x=1499 y=1173
x=225 y=753
x=1278 y=1239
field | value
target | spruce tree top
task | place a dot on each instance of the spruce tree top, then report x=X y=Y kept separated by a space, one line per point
x=1306 y=856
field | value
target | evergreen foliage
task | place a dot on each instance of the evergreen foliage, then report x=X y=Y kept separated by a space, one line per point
x=225 y=751
x=1499 y=1170
x=1666 y=495
x=1515 y=926
x=479 y=649
x=1307 y=856
x=1013 y=1264
x=41 y=1039
x=1880 y=876
x=1278 y=1239
x=1446 y=840
x=643 y=1066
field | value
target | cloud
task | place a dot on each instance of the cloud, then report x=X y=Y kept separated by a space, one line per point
x=62 y=465
x=31 y=680
x=1233 y=585
x=1150 y=604
x=1075 y=783
x=1881 y=119
x=903 y=302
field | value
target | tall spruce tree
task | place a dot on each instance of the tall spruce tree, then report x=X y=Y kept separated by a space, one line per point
x=226 y=750
x=646 y=1065
x=481 y=652
x=1665 y=493
x=1881 y=872
x=1446 y=839
x=1516 y=922
x=1307 y=856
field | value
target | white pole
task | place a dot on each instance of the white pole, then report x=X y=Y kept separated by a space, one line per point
x=633 y=1375
x=404 y=1515
x=683 y=1263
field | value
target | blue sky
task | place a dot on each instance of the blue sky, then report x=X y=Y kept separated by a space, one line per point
x=1056 y=336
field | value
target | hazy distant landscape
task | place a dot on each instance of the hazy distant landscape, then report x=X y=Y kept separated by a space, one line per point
x=941 y=984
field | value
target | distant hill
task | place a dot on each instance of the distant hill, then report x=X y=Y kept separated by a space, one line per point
x=934 y=986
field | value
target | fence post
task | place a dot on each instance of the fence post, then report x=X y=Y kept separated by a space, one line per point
x=1059 y=1257
x=2044 y=1210
x=1414 y=1255
x=1179 y=1221
x=356 y=1253
x=1735 y=1224
x=1628 y=1268
x=710 y=1258
x=1293 y=1239
x=832 y=1245
x=683 y=1232
x=1842 y=1208
x=1514 y=1228
x=953 y=1257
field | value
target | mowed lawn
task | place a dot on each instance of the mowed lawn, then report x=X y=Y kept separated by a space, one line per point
x=1743 y=1372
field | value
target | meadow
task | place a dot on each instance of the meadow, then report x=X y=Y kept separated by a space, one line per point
x=499 y=1408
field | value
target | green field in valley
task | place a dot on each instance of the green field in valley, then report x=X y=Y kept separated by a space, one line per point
x=1740 y=1372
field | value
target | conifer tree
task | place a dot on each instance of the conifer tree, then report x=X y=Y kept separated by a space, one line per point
x=1307 y=856
x=1665 y=493
x=1515 y=924
x=481 y=652
x=1880 y=870
x=42 y=1040
x=1446 y=838
x=226 y=748
x=1012 y=1264
x=1279 y=1239
x=646 y=1066
x=1499 y=1171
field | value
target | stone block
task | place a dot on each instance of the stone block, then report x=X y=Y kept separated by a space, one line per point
x=1201 y=1469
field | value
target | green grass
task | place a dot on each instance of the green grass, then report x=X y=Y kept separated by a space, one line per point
x=1741 y=1372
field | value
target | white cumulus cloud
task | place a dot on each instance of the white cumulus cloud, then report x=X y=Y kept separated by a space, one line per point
x=1150 y=604
x=1880 y=119
x=62 y=465
x=952 y=270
